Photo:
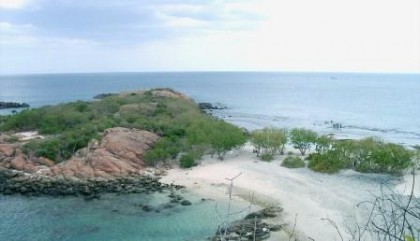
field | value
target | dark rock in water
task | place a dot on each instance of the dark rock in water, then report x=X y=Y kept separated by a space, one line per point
x=210 y=106
x=147 y=208
x=103 y=95
x=186 y=203
x=252 y=227
x=167 y=206
x=9 y=105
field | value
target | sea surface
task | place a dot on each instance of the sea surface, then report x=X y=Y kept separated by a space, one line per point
x=382 y=105
x=113 y=217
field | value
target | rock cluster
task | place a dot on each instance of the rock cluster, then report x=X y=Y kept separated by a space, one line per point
x=11 y=157
x=9 y=105
x=12 y=182
x=252 y=227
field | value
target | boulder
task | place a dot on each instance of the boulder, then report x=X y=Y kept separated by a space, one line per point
x=19 y=163
x=46 y=162
x=8 y=149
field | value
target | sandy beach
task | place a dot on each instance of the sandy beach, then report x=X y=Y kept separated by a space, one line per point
x=310 y=198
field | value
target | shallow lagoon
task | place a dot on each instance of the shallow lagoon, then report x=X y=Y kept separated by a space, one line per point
x=113 y=217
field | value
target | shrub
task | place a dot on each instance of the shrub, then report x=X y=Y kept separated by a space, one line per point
x=164 y=149
x=326 y=163
x=293 y=162
x=187 y=161
x=266 y=156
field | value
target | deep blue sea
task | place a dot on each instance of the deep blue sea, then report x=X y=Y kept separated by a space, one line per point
x=383 y=105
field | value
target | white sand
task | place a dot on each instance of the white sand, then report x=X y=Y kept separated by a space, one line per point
x=311 y=196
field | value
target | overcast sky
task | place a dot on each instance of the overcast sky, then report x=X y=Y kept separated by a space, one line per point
x=41 y=36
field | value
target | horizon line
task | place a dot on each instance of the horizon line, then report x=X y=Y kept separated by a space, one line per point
x=212 y=71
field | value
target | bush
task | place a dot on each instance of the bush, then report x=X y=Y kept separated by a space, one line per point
x=187 y=161
x=164 y=149
x=365 y=155
x=326 y=163
x=266 y=156
x=293 y=162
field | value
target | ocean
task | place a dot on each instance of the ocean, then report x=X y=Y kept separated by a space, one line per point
x=381 y=105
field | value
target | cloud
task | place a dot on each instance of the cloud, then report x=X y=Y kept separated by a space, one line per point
x=13 y=4
x=133 y=21
x=322 y=35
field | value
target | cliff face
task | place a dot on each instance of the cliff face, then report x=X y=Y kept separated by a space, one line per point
x=119 y=153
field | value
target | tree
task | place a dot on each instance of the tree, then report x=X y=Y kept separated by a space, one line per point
x=258 y=140
x=302 y=139
x=269 y=141
x=220 y=136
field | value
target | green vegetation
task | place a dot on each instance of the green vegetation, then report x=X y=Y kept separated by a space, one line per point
x=218 y=135
x=293 y=162
x=179 y=122
x=269 y=142
x=187 y=161
x=302 y=139
x=366 y=155
x=183 y=128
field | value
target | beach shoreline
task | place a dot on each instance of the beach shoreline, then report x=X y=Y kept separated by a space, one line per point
x=309 y=199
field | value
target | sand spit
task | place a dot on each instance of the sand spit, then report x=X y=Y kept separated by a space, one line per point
x=308 y=197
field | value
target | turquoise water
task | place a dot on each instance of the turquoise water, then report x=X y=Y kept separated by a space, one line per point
x=110 y=218
x=383 y=105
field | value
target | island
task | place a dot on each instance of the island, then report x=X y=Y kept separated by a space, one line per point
x=160 y=140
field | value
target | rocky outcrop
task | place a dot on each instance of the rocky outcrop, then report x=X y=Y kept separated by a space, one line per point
x=120 y=153
x=12 y=105
x=253 y=227
x=114 y=164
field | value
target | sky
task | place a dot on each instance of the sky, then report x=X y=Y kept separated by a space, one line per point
x=54 y=36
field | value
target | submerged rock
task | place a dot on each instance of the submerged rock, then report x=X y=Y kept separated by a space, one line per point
x=186 y=203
